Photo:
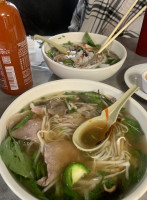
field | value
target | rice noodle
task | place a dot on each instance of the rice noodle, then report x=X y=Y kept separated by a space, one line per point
x=29 y=145
x=42 y=143
x=113 y=156
x=50 y=185
x=38 y=154
x=40 y=134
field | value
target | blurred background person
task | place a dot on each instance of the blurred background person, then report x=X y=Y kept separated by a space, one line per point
x=102 y=16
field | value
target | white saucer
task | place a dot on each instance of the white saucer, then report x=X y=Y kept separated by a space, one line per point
x=133 y=76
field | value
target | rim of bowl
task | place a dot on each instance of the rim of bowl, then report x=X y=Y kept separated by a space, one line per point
x=83 y=69
x=15 y=186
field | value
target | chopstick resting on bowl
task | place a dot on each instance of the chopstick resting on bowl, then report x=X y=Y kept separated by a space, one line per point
x=110 y=38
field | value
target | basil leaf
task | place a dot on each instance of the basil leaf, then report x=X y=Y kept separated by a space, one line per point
x=72 y=194
x=33 y=188
x=87 y=39
x=134 y=129
x=16 y=160
x=136 y=170
x=112 y=61
x=39 y=167
x=93 y=97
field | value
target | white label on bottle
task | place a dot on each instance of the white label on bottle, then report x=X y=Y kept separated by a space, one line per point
x=3 y=82
x=11 y=77
x=24 y=61
x=6 y=59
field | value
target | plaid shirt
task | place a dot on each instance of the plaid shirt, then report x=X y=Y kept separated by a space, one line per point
x=102 y=16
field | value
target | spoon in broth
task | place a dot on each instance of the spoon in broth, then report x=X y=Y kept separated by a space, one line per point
x=60 y=48
x=96 y=131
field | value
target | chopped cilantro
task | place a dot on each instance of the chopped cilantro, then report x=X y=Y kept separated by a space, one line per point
x=70 y=98
x=73 y=110
x=22 y=110
x=61 y=129
x=110 y=183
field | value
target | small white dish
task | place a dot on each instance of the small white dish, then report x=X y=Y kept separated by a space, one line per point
x=144 y=81
x=134 y=76
x=34 y=50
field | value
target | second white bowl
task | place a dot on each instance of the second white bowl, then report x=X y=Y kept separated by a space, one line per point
x=98 y=74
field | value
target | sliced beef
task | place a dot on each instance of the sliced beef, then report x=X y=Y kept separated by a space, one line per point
x=57 y=156
x=28 y=131
x=60 y=57
x=56 y=107
x=39 y=110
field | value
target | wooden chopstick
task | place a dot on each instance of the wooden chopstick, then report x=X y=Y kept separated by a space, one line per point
x=118 y=25
x=121 y=30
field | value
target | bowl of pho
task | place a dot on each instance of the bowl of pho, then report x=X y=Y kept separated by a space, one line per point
x=38 y=159
x=82 y=60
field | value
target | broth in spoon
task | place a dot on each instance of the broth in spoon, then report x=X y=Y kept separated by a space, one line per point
x=94 y=134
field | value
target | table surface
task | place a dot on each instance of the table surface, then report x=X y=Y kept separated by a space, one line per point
x=42 y=74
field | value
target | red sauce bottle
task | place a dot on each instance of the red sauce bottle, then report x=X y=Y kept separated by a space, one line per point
x=15 y=70
x=142 y=42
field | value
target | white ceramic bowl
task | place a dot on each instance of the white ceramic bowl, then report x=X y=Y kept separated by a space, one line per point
x=61 y=85
x=98 y=74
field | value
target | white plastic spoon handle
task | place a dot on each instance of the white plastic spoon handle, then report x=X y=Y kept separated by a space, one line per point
x=114 y=109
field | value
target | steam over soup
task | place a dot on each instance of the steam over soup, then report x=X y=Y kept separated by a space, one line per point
x=40 y=153
x=83 y=55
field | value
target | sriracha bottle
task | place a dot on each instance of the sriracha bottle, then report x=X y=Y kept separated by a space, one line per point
x=15 y=70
